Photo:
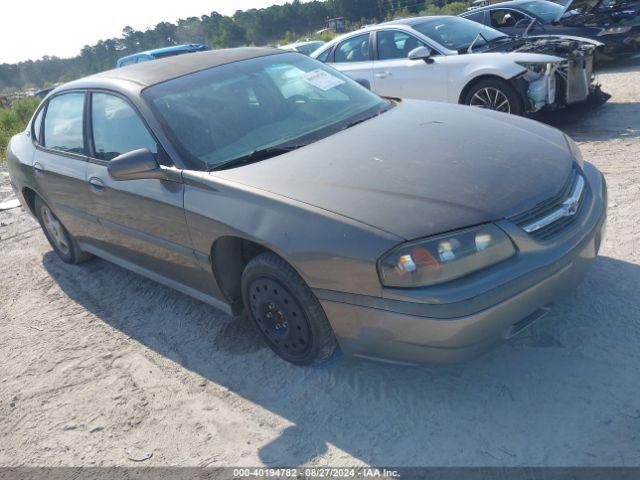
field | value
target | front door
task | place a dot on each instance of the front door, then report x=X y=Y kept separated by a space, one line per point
x=397 y=76
x=144 y=221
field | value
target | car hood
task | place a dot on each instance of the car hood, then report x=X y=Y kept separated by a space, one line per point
x=585 y=6
x=592 y=6
x=421 y=168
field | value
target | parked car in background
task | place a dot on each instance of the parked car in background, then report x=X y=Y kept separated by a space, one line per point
x=614 y=24
x=263 y=181
x=452 y=59
x=304 y=47
x=171 y=51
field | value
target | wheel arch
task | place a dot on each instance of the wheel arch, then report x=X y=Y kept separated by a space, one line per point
x=478 y=79
x=230 y=254
x=29 y=196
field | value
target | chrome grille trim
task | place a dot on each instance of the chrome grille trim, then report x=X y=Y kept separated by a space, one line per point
x=568 y=208
x=552 y=216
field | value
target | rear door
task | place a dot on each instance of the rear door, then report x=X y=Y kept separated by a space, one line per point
x=353 y=57
x=144 y=221
x=60 y=164
x=394 y=75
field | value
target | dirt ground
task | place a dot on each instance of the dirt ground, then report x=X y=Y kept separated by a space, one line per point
x=103 y=367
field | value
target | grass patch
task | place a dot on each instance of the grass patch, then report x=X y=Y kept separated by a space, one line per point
x=14 y=120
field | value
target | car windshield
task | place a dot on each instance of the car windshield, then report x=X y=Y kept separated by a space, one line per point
x=230 y=111
x=457 y=33
x=547 y=11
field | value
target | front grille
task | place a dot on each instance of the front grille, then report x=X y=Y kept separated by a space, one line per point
x=548 y=208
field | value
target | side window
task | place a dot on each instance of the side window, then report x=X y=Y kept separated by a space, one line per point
x=393 y=44
x=503 y=18
x=117 y=129
x=475 y=17
x=37 y=125
x=63 y=123
x=355 y=49
x=324 y=56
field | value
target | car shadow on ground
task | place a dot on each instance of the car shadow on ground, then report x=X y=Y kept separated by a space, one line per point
x=563 y=393
x=595 y=120
x=595 y=123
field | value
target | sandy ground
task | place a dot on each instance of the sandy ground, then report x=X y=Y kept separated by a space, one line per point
x=100 y=365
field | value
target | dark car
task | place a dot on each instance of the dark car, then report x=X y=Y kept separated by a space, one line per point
x=265 y=182
x=614 y=24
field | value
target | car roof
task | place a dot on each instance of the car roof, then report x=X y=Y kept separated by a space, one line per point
x=300 y=44
x=511 y=3
x=408 y=22
x=145 y=74
x=411 y=20
x=190 y=47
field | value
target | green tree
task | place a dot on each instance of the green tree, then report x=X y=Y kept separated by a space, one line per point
x=14 y=120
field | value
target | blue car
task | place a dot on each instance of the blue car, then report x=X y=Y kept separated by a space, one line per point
x=160 y=53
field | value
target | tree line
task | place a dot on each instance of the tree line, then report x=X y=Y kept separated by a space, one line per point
x=265 y=26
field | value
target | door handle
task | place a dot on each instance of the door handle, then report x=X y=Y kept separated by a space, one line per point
x=96 y=184
x=383 y=74
x=39 y=169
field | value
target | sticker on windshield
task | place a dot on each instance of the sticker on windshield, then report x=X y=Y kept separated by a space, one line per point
x=322 y=80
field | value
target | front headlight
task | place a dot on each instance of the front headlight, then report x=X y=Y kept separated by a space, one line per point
x=614 y=31
x=445 y=257
x=575 y=150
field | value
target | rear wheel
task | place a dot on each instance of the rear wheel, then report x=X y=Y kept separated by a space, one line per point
x=494 y=94
x=286 y=312
x=60 y=239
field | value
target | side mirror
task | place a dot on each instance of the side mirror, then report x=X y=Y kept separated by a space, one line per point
x=135 y=165
x=364 y=82
x=420 y=53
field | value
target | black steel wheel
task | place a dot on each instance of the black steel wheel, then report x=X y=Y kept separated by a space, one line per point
x=494 y=94
x=285 y=311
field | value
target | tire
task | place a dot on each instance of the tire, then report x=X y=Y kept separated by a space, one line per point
x=62 y=242
x=286 y=312
x=482 y=92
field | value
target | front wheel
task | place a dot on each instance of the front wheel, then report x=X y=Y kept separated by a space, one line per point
x=285 y=310
x=494 y=94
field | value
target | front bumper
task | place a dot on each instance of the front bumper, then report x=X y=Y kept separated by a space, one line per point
x=461 y=320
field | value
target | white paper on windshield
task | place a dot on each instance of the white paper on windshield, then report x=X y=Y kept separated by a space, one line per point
x=322 y=80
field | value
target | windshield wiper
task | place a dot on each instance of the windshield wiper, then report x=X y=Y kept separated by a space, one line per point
x=256 y=156
x=364 y=119
x=526 y=30
x=479 y=35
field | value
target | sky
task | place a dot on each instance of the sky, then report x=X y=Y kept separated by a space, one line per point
x=33 y=28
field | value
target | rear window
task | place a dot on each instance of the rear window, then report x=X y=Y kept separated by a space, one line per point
x=63 y=123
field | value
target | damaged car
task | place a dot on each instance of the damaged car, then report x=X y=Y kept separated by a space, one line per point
x=268 y=184
x=613 y=23
x=452 y=59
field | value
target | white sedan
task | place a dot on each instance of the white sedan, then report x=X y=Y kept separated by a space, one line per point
x=451 y=59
